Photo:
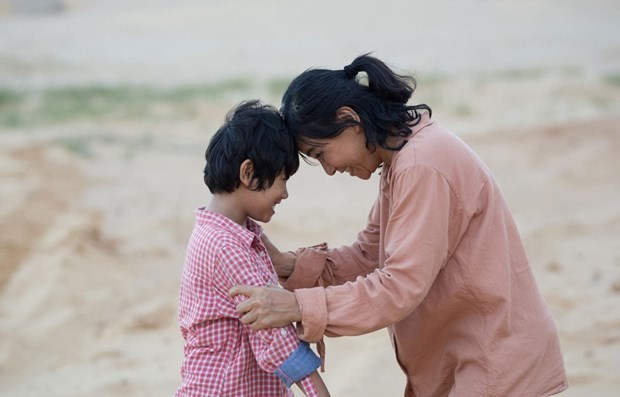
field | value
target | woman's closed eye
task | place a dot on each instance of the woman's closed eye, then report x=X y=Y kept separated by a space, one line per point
x=314 y=154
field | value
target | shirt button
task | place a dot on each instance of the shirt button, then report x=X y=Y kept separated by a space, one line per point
x=262 y=254
x=283 y=331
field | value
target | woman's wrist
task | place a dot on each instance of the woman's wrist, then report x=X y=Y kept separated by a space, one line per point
x=295 y=310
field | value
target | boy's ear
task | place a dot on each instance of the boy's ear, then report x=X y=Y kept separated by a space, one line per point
x=246 y=172
x=346 y=112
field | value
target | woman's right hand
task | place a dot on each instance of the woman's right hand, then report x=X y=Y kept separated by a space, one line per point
x=266 y=307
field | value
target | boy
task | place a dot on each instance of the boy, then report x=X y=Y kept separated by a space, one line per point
x=249 y=160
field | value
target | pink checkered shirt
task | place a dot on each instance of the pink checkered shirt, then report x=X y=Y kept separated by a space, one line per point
x=224 y=357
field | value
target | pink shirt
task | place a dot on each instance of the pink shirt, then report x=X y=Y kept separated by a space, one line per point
x=224 y=357
x=441 y=264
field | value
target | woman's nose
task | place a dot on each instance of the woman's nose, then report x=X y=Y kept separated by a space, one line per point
x=329 y=170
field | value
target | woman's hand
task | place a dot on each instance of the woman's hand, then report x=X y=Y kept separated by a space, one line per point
x=266 y=307
x=283 y=262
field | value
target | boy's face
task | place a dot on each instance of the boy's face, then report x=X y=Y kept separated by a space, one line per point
x=261 y=204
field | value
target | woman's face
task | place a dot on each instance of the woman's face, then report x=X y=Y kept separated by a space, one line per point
x=346 y=152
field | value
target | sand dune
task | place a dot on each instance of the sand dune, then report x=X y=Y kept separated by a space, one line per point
x=87 y=293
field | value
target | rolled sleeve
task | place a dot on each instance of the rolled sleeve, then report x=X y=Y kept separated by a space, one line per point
x=309 y=266
x=313 y=307
x=301 y=363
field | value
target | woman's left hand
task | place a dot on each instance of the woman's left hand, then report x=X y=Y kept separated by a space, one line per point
x=283 y=262
x=267 y=307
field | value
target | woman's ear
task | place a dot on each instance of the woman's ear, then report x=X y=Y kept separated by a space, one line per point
x=346 y=112
x=246 y=173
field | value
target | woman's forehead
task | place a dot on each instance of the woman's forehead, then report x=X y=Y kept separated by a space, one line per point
x=306 y=144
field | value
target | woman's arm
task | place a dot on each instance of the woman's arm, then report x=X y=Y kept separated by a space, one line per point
x=346 y=263
x=416 y=242
x=319 y=266
x=416 y=246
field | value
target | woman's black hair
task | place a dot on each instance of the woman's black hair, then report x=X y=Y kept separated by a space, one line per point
x=311 y=102
x=251 y=131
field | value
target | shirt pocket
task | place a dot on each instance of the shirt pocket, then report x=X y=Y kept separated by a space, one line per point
x=262 y=272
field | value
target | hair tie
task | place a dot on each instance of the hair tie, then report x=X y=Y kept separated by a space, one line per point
x=349 y=71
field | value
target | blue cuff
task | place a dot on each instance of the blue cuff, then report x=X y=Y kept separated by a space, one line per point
x=301 y=363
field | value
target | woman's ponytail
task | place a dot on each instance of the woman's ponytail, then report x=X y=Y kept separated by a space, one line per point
x=382 y=81
x=311 y=102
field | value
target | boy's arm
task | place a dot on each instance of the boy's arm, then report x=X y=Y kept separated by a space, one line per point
x=318 y=383
x=297 y=367
x=277 y=350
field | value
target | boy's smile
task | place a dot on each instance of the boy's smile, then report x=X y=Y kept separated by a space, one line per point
x=261 y=205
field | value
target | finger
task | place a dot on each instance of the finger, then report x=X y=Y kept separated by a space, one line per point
x=258 y=325
x=246 y=290
x=245 y=306
x=320 y=246
x=248 y=318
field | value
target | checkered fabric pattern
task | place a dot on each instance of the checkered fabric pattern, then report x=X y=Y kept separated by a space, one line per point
x=224 y=357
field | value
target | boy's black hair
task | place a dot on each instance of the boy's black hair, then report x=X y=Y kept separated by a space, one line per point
x=251 y=131
x=311 y=102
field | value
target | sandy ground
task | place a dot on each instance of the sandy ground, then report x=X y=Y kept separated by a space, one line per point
x=92 y=237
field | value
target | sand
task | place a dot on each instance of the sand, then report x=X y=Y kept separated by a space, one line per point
x=95 y=211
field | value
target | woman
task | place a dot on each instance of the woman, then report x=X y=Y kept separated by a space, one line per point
x=440 y=262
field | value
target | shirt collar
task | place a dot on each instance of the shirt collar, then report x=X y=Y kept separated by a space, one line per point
x=425 y=121
x=247 y=234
